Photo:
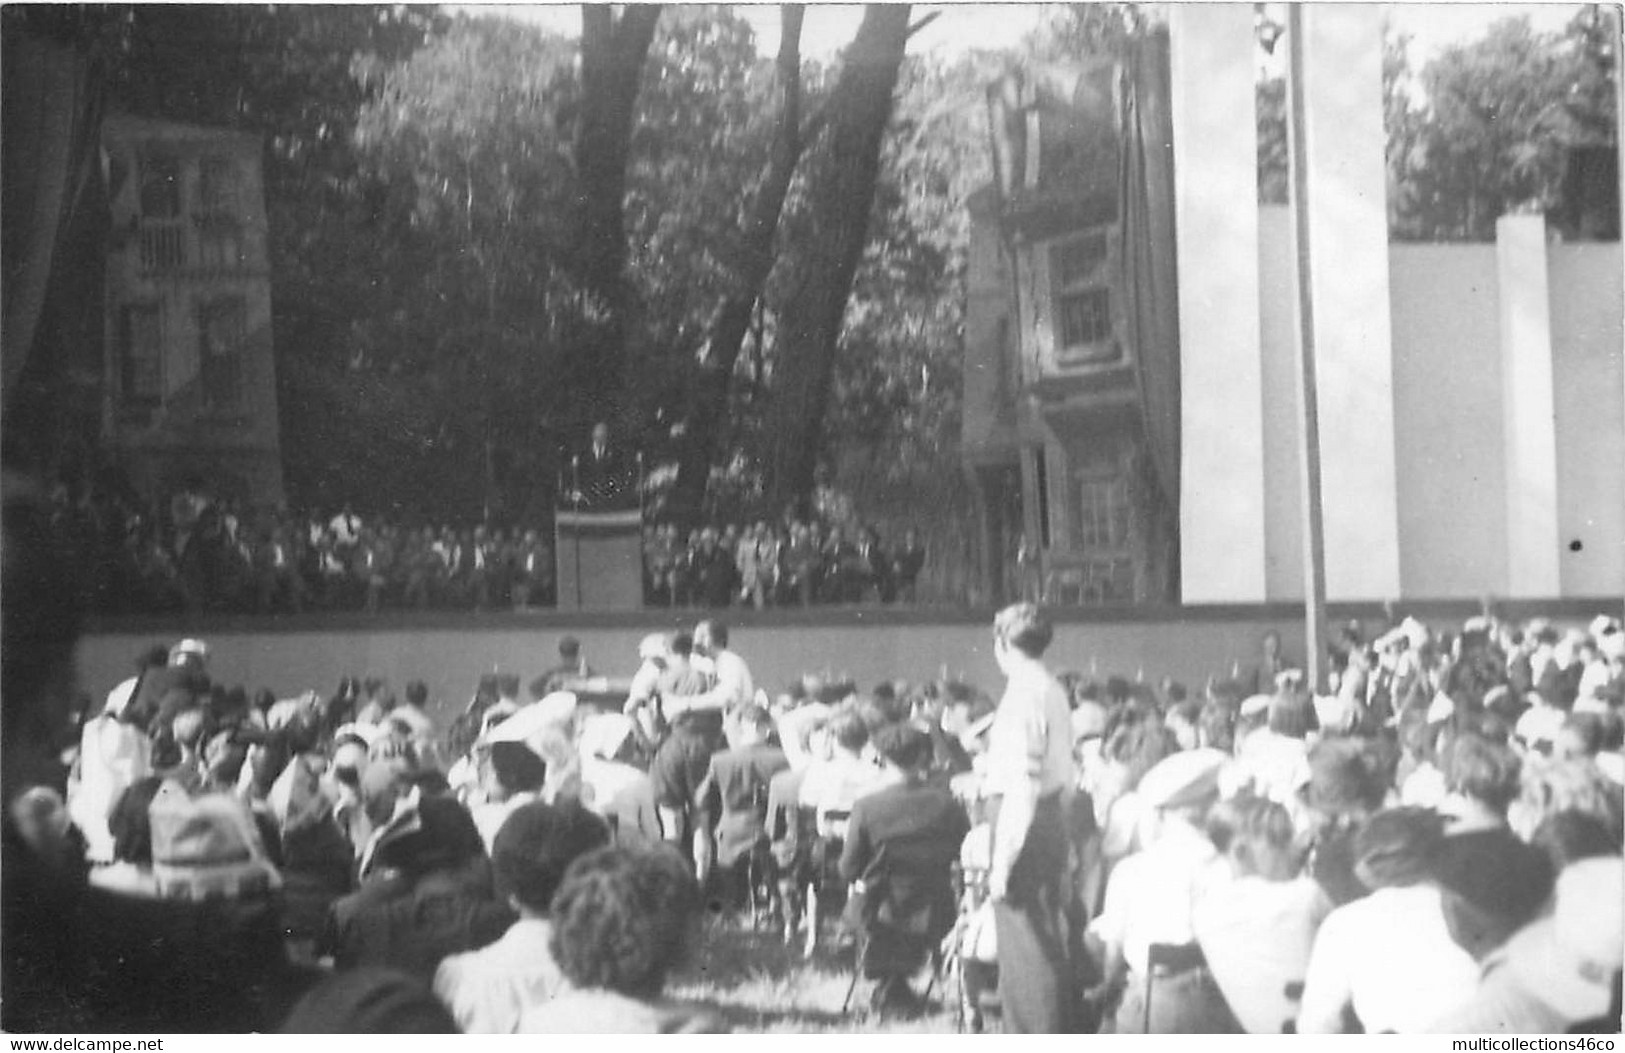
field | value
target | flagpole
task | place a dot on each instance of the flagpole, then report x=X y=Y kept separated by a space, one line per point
x=1314 y=534
x=575 y=471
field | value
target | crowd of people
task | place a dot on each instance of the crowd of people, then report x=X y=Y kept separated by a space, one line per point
x=197 y=552
x=794 y=563
x=1432 y=845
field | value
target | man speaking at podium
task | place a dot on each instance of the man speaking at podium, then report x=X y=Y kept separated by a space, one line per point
x=603 y=479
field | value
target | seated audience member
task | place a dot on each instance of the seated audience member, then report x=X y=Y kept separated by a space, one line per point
x=805 y=734
x=1494 y=882
x=1422 y=783
x=413 y=713
x=900 y=846
x=1276 y=760
x=342 y=784
x=75 y=957
x=547 y=728
x=1568 y=837
x=1581 y=737
x=947 y=716
x=733 y=798
x=611 y=785
x=1181 y=721
x=1389 y=958
x=42 y=821
x=623 y=921
x=1344 y=790
x=513 y=777
x=115 y=751
x=1548 y=787
x=369 y=1001
x=796 y=728
x=1150 y=897
x=1561 y=972
x=130 y=873
x=831 y=787
x=1216 y=726
x=317 y=857
x=425 y=891
x=489 y=989
x=1135 y=742
x=1255 y=918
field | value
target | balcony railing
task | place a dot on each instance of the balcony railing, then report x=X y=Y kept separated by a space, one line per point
x=196 y=248
x=163 y=246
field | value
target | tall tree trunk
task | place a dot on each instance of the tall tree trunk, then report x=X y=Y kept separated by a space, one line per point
x=612 y=56
x=841 y=200
x=732 y=320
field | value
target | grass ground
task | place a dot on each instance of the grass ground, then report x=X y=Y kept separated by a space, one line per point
x=759 y=985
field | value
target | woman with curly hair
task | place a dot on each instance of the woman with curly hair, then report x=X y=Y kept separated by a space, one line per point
x=623 y=920
x=1256 y=916
x=1389 y=960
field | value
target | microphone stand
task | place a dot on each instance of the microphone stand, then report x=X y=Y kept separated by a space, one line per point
x=575 y=493
x=642 y=540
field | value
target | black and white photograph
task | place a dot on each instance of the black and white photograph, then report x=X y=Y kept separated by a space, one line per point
x=855 y=519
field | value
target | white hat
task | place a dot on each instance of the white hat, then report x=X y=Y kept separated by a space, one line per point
x=653 y=646
x=367 y=733
x=1254 y=705
x=120 y=696
x=554 y=710
x=603 y=734
x=1540 y=724
x=1603 y=625
x=980 y=728
x=1088 y=721
x=1185 y=778
x=1569 y=960
x=189 y=646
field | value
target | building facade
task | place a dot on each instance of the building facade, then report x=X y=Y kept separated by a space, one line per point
x=1471 y=396
x=1053 y=428
x=190 y=381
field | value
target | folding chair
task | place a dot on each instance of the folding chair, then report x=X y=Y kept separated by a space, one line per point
x=761 y=870
x=938 y=959
x=1168 y=959
x=974 y=998
x=824 y=885
x=1294 y=994
x=858 y=952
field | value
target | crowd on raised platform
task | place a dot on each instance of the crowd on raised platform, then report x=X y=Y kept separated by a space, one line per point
x=793 y=563
x=195 y=552
x=1430 y=845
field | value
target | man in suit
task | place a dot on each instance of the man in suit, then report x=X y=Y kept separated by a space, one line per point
x=900 y=847
x=732 y=797
x=603 y=477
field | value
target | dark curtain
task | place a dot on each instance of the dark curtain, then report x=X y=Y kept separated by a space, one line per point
x=50 y=125
x=1150 y=277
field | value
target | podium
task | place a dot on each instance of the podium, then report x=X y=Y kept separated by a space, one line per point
x=600 y=560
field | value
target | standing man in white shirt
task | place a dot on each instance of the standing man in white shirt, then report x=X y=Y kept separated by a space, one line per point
x=732 y=686
x=1030 y=784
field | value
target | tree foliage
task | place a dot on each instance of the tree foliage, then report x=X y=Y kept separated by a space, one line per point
x=1492 y=126
x=840 y=200
x=1482 y=129
x=475 y=222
